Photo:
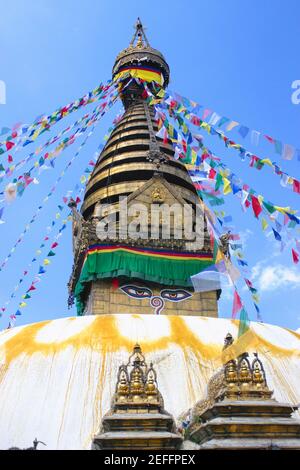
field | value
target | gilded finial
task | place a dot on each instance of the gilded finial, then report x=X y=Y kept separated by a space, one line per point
x=140 y=35
x=136 y=382
x=244 y=373
x=259 y=375
x=150 y=387
x=231 y=379
x=228 y=340
x=122 y=388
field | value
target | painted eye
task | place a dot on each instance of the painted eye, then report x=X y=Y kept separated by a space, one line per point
x=175 y=295
x=137 y=292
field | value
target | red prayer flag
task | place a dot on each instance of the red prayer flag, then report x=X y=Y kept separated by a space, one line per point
x=296 y=186
x=237 y=304
x=115 y=283
x=234 y=236
x=165 y=141
x=31 y=288
x=270 y=139
x=9 y=145
x=256 y=206
x=54 y=245
x=212 y=173
x=295 y=256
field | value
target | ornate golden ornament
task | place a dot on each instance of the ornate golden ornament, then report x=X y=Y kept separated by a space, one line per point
x=157 y=195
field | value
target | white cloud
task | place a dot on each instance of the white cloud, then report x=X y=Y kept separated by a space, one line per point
x=270 y=278
x=245 y=235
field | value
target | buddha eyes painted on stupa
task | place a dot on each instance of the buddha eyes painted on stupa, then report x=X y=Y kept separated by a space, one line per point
x=175 y=295
x=157 y=300
x=136 y=292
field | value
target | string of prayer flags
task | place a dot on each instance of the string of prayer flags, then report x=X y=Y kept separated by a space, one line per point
x=224 y=172
x=50 y=253
x=29 y=133
x=25 y=272
x=41 y=163
x=233 y=237
x=287 y=181
x=41 y=206
x=50 y=194
x=17 y=187
x=286 y=151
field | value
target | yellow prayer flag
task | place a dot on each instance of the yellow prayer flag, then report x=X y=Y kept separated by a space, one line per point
x=35 y=134
x=161 y=93
x=227 y=188
x=266 y=161
x=260 y=198
x=220 y=256
x=22 y=304
x=194 y=156
x=264 y=224
x=283 y=210
x=46 y=262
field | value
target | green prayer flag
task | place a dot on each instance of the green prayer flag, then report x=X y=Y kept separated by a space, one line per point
x=269 y=207
x=244 y=322
x=219 y=181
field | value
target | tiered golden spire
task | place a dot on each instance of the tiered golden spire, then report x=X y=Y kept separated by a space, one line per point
x=242 y=379
x=245 y=380
x=137 y=419
x=136 y=384
x=140 y=35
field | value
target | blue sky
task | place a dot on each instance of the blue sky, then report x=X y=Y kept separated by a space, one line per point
x=238 y=57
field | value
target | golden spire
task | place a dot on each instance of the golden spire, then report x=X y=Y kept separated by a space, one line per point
x=243 y=380
x=122 y=388
x=150 y=386
x=140 y=35
x=244 y=373
x=137 y=385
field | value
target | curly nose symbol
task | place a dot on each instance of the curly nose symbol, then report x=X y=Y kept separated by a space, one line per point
x=158 y=304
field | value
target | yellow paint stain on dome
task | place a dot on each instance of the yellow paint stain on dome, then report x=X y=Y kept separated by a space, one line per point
x=99 y=335
x=110 y=333
x=7 y=334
